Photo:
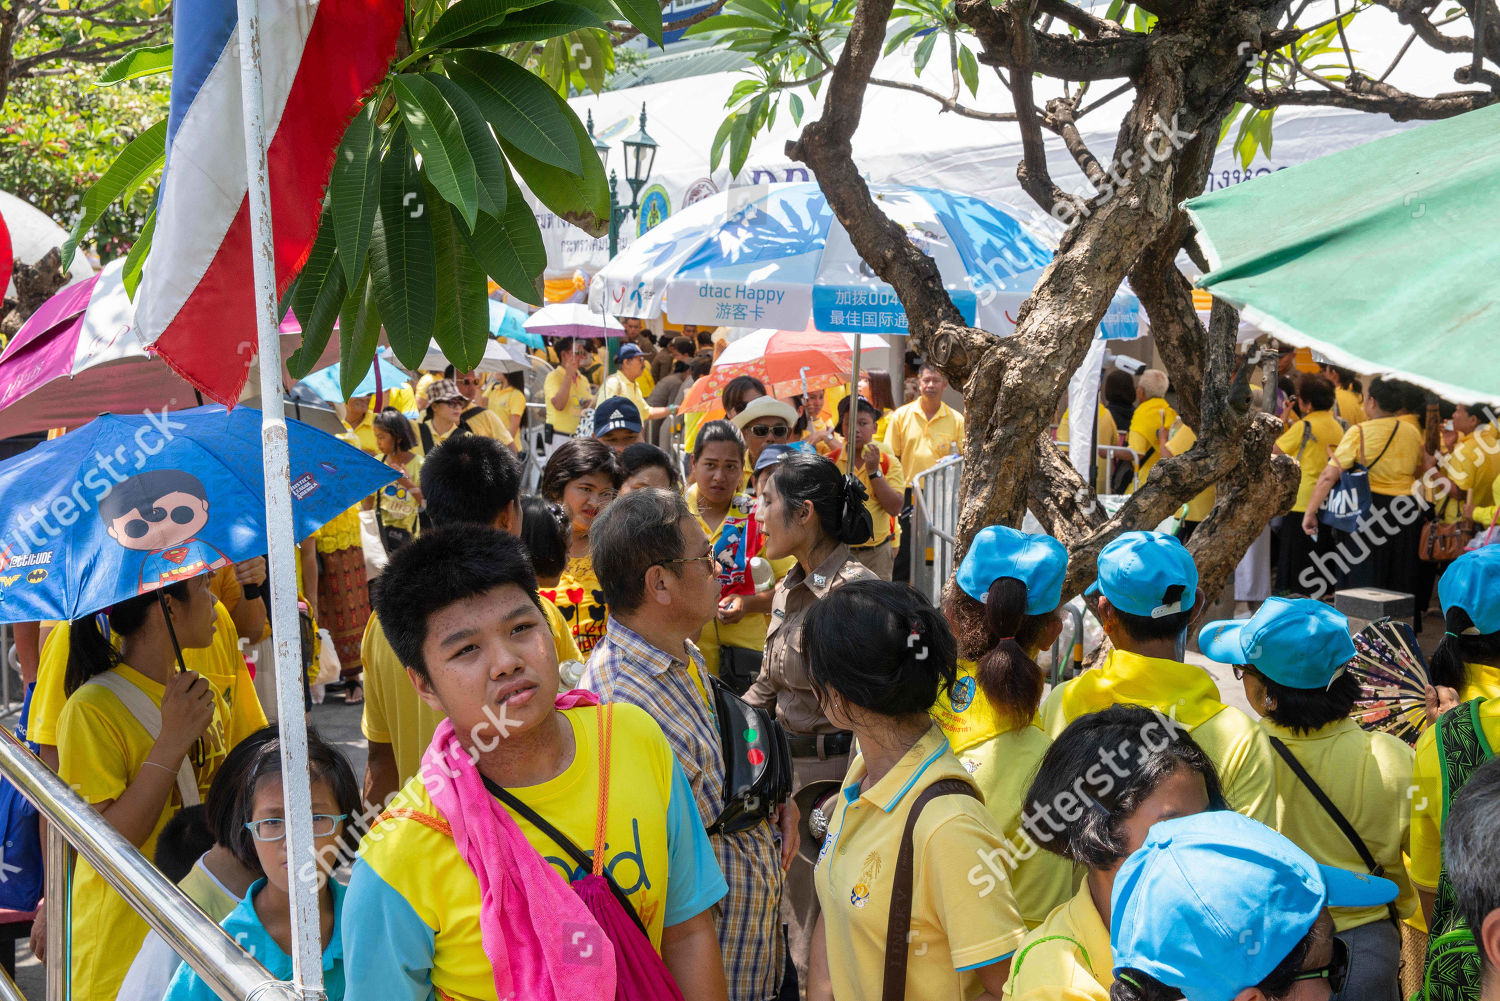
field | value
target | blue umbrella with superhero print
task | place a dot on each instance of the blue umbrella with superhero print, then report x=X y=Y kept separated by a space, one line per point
x=128 y=504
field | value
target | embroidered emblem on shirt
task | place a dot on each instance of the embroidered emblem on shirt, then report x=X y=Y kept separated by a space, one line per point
x=860 y=894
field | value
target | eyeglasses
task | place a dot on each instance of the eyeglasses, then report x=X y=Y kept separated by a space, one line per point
x=709 y=559
x=274 y=828
x=777 y=431
x=1337 y=970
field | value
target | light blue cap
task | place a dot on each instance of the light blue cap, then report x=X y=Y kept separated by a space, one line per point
x=1038 y=561
x=1472 y=582
x=1136 y=569
x=1297 y=642
x=1212 y=903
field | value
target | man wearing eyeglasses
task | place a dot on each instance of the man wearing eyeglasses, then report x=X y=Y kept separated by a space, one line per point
x=477 y=415
x=765 y=421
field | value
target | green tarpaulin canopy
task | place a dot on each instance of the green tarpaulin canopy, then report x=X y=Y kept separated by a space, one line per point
x=1384 y=257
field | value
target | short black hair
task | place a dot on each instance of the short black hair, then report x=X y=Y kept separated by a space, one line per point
x=682 y=345
x=546 y=534
x=881 y=646
x=717 y=432
x=469 y=481
x=579 y=457
x=635 y=533
x=219 y=804
x=325 y=763
x=1081 y=766
x=1304 y=710
x=644 y=455
x=736 y=394
x=141 y=492
x=699 y=367
x=1144 y=627
x=865 y=407
x=1471 y=848
x=1389 y=394
x=396 y=424
x=705 y=338
x=1316 y=391
x=182 y=843
x=1119 y=388
x=439 y=568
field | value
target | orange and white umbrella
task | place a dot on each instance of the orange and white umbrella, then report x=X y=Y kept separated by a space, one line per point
x=789 y=362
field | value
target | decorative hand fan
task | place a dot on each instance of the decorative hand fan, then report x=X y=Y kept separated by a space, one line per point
x=1393 y=678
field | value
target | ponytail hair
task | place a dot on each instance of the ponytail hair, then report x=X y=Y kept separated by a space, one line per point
x=1450 y=660
x=90 y=653
x=837 y=500
x=1006 y=672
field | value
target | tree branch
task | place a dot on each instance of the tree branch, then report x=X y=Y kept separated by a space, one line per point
x=621 y=33
x=1062 y=117
x=946 y=103
x=1053 y=55
x=1032 y=172
x=1364 y=94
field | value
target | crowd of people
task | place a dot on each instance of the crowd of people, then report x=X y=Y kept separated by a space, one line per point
x=824 y=787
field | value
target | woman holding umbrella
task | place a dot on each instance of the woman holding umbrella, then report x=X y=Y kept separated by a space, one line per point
x=138 y=738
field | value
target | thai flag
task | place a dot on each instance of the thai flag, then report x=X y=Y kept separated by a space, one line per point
x=195 y=306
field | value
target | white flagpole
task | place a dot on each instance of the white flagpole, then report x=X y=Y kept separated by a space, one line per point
x=307 y=952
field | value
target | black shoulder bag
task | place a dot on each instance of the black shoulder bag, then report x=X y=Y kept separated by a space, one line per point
x=757 y=761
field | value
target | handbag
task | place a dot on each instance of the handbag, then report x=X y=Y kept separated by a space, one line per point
x=757 y=761
x=1441 y=541
x=640 y=974
x=1349 y=502
x=20 y=832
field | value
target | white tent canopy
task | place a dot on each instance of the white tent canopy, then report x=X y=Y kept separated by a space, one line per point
x=33 y=233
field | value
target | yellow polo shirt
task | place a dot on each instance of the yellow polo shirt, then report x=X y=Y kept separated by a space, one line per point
x=618 y=385
x=1367 y=776
x=1351 y=407
x=883 y=523
x=1308 y=440
x=565 y=420
x=1427 y=799
x=1149 y=417
x=1188 y=695
x=1183 y=439
x=1003 y=761
x=395 y=714
x=1398 y=468
x=220 y=662
x=1066 y=958
x=963 y=916
x=1475 y=465
x=1481 y=681
x=507 y=402
x=918 y=442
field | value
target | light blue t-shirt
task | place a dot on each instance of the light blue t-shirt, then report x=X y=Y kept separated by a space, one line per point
x=244 y=927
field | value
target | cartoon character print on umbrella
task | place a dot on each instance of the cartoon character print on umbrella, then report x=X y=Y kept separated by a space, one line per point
x=160 y=513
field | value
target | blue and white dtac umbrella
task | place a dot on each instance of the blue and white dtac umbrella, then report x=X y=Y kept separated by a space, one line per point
x=773 y=255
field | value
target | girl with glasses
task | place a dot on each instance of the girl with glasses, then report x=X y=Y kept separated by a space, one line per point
x=262 y=922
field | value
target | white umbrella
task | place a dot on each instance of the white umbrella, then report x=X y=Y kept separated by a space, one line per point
x=572 y=319
x=499 y=356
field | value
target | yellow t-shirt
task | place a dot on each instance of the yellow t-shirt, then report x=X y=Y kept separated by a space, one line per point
x=1003 y=761
x=395 y=714
x=618 y=385
x=1481 y=681
x=883 y=523
x=434 y=895
x=1427 y=799
x=398 y=508
x=963 y=914
x=1398 y=467
x=220 y=662
x=1066 y=958
x=1149 y=417
x=918 y=442
x=1188 y=695
x=1367 y=776
x=1308 y=440
x=1183 y=439
x=1475 y=465
x=101 y=749
x=362 y=436
x=1351 y=407
x=507 y=402
x=565 y=420
x=581 y=601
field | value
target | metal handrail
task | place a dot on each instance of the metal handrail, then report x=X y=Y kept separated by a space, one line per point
x=227 y=970
x=922 y=527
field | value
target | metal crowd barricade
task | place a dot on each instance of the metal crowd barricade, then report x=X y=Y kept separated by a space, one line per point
x=73 y=826
x=1060 y=650
x=1111 y=454
x=934 y=525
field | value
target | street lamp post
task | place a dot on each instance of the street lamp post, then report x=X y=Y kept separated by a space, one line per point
x=640 y=155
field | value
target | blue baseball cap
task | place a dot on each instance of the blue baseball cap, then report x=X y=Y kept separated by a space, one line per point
x=1038 y=561
x=770 y=455
x=616 y=414
x=1212 y=903
x=629 y=350
x=1472 y=582
x=1136 y=569
x=1300 y=643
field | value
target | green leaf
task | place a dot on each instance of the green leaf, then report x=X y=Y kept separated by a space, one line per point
x=436 y=134
x=741 y=90
x=739 y=143
x=131 y=274
x=511 y=250
x=525 y=112
x=539 y=23
x=924 y=51
x=593 y=58
x=581 y=200
x=354 y=189
x=146 y=60
x=401 y=265
x=968 y=68
x=141 y=158
x=489 y=165
x=303 y=291
x=462 y=323
x=645 y=15
x=359 y=335
x=796 y=105
x=318 y=320
x=726 y=23
x=720 y=138
x=467 y=17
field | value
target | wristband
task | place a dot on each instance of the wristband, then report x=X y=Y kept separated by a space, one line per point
x=254 y=591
